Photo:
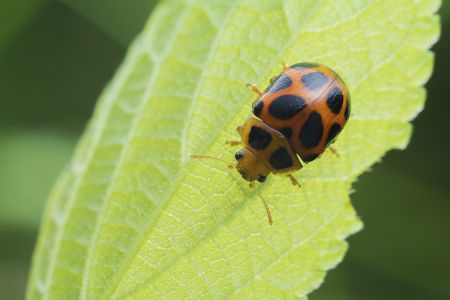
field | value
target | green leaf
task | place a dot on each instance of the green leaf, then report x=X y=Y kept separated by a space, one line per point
x=134 y=217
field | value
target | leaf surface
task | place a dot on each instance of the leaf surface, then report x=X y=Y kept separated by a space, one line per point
x=134 y=217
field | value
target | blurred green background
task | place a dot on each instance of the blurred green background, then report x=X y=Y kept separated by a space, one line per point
x=56 y=57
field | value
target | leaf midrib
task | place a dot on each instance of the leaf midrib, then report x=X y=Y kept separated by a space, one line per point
x=213 y=138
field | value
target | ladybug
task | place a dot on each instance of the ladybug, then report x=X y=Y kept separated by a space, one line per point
x=299 y=115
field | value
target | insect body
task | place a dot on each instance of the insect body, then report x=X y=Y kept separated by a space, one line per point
x=301 y=112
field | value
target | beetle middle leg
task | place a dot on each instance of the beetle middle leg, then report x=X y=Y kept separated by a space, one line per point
x=254 y=89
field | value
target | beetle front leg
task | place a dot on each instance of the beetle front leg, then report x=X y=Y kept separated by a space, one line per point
x=294 y=181
x=233 y=142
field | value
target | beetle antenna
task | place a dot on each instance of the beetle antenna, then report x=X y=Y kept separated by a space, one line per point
x=269 y=214
x=252 y=184
x=215 y=158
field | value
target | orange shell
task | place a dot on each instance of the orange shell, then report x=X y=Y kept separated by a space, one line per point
x=309 y=104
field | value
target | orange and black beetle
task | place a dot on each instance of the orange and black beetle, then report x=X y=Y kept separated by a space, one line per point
x=301 y=112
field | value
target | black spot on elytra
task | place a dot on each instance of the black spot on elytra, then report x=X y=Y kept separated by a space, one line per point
x=257 y=108
x=315 y=80
x=312 y=131
x=259 y=138
x=287 y=132
x=334 y=131
x=304 y=66
x=335 y=100
x=286 y=106
x=347 y=109
x=280 y=159
x=310 y=157
x=280 y=83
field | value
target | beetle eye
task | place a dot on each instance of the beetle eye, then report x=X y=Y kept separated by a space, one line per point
x=238 y=155
x=262 y=178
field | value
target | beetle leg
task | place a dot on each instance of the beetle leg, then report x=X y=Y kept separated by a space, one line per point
x=284 y=67
x=254 y=89
x=233 y=142
x=269 y=214
x=293 y=180
x=334 y=151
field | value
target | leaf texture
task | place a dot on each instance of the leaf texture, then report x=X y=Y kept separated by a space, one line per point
x=133 y=217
